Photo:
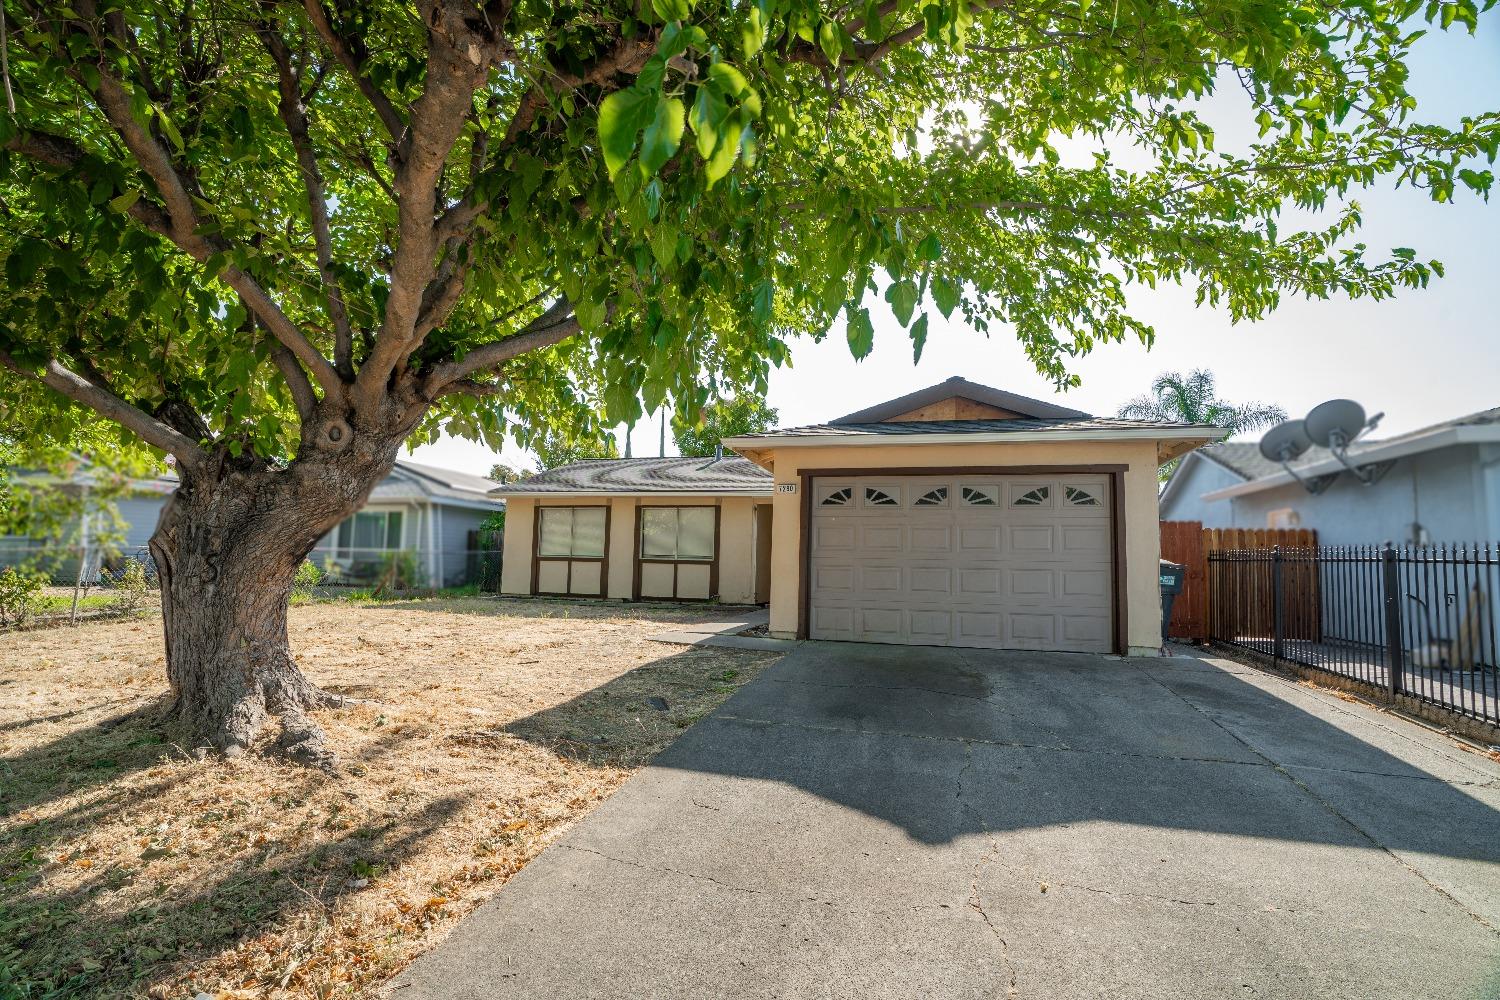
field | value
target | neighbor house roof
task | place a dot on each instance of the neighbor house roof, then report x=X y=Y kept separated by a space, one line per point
x=1262 y=474
x=662 y=476
x=418 y=482
x=959 y=387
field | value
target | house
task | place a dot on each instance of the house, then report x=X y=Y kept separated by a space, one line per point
x=417 y=508
x=956 y=515
x=1440 y=484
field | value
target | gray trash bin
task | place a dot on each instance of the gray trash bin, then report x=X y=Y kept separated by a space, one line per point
x=1172 y=577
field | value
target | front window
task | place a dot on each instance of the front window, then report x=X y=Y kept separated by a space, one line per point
x=679 y=534
x=572 y=532
x=367 y=531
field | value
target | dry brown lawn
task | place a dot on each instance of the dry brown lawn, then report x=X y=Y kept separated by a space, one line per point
x=131 y=866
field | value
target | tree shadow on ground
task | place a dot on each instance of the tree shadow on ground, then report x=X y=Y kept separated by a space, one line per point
x=542 y=608
x=946 y=743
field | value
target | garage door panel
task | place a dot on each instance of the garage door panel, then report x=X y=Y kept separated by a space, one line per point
x=879 y=579
x=931 y=538
x=931 y=626
x=1084 y=583
x=979 y=540
x=877 y=624
x=978 y=628
x=999 y=562
x=1085 y=538
x=979 y=583
x=928 y=581
x=882 y=537
x=829 y=537
x=1031 y=539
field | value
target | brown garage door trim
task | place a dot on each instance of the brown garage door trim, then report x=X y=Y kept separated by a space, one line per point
x=1116 y=475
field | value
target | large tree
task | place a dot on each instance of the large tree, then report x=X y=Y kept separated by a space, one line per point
x=276 y=240
x=744 y=413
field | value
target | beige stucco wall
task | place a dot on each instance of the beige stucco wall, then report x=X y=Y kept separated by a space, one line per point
x=736 y=542
x=1142 y=534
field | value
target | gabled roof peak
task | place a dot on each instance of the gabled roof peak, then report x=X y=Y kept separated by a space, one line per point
x=983 y=402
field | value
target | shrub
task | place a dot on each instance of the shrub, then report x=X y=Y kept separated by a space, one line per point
x=133 y=587
x=308 y=577
x=20 y=594
x=400 y=572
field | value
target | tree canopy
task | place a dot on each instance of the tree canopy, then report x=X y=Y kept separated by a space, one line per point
x=742 y=414
x=240 y=226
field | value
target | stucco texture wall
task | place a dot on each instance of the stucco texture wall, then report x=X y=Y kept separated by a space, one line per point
x=1142 y=598
x=736 y=553
x=1186 y=503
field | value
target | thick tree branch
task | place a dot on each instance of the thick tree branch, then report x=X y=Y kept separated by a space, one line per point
x=303 y=396
x=555 y=325
x=458 y=62
x=80 y=390
x=351 y=53
x=294 y=116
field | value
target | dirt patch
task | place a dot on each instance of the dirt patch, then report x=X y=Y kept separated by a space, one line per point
x=129 y=866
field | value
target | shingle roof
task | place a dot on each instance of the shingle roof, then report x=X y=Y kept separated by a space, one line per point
x=1013 y=425
x=730 y=474
x=960 y=387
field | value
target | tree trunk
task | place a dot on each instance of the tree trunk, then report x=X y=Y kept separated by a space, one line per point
x=226 y=550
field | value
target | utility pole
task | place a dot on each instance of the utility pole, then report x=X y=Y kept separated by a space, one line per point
x=662 y=448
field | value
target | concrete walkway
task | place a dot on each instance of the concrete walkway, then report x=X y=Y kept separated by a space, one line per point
x=865 y=821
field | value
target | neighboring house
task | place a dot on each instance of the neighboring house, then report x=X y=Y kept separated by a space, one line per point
x=418 y=508
x=956 y=515
x=1440 y=484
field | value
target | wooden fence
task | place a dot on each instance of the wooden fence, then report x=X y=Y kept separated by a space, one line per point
x=1189 y=543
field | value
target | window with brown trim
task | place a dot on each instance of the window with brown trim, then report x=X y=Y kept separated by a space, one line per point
x=677 y=534
x=571 y=532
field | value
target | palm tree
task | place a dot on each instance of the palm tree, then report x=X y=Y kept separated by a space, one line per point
x=1191 y=400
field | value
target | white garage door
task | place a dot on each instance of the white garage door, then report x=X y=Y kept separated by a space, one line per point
x=1004 y=562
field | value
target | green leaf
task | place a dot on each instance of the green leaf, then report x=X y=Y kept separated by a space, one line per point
x=918 y=338
x=903 y=296
x=829 y=41
x=753 y=34
x=621 y=118
x=765 y=300
x=861 y=333
x=672 y=10
x=724 y=156
x=945 y=293
x=707 y=118
x=930 y=249
x=124 y=202
x=663 y=135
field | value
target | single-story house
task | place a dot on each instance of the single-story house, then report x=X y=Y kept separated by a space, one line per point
x=956 y=515
x=417 y=508
x=1440 y=484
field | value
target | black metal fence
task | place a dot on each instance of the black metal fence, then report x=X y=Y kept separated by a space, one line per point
x=1418 y=621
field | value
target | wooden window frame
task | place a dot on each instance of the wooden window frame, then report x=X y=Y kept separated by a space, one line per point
x=676 y=564
x=537 y=558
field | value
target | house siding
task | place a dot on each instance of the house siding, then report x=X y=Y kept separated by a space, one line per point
x=454 y=525
x=1198 y=476
x=1446 y=492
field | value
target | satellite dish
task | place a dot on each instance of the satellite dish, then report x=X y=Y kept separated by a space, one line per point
x=1285 y=442
x=1336 y=423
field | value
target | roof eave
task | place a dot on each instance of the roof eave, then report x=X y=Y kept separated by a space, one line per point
x=528 y=494
x=1182 y=434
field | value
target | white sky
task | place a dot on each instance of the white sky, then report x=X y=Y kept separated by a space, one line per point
x=1425 y=356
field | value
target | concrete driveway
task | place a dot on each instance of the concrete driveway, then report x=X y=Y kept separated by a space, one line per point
x=876 y=821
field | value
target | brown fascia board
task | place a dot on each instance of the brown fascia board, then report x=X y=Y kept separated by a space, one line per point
x=958 y=386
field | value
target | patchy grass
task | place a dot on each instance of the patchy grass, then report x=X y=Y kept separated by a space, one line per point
x=131 y=867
